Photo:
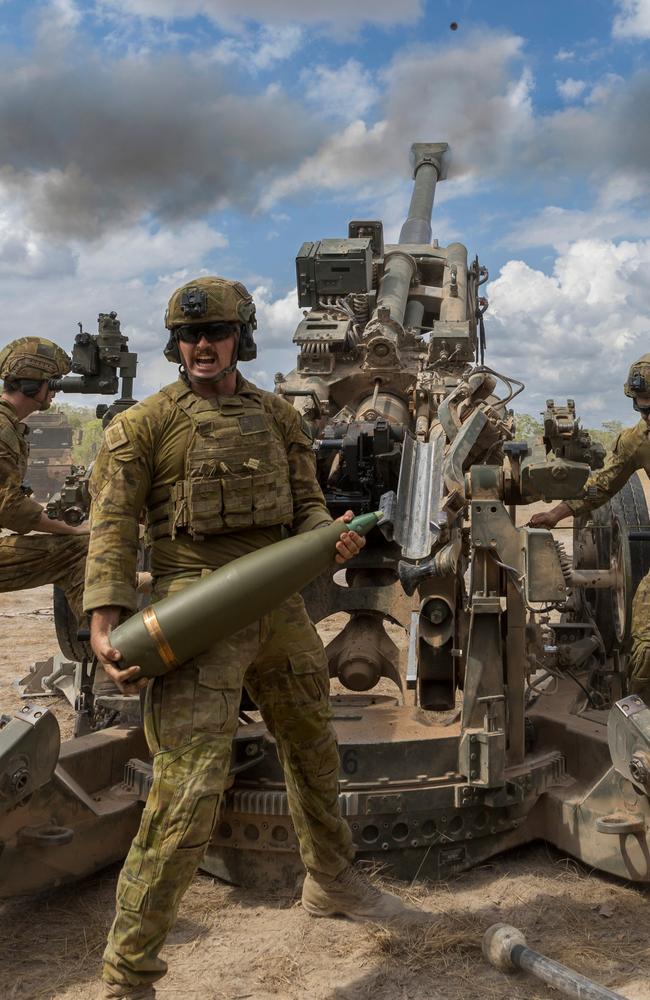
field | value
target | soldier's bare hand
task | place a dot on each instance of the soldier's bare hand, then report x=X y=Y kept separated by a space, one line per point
x=549 y=518
x=129 y=680
x=350 y=543
x=544 y=519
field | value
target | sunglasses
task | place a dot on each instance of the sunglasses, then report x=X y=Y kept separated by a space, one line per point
x=215 y=331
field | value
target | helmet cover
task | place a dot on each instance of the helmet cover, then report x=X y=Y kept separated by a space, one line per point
x=638 y=379
x=208 y=300
x=33 y=358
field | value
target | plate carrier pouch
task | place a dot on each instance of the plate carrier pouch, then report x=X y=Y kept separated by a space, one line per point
x=236 y=469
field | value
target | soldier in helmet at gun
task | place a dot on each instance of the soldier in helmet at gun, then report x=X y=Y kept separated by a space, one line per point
x=39 y=550
x=221 y=468
x=630 y=453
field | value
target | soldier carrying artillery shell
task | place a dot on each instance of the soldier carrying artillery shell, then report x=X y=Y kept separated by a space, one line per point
x=221 y=468
x=39 y=550
x=631 y=452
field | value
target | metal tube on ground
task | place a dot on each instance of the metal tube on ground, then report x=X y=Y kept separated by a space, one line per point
x=505 y=947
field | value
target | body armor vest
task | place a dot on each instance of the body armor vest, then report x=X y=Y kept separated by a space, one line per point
x=236 y=470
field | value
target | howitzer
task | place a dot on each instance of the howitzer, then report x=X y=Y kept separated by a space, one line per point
x=466 y=758
x=102 y=365
x=490 y=728
x=72 y=502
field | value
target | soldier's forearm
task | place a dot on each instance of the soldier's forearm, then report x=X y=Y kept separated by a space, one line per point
x=54 y=527
x=104 y=618
x=560 y=511
x=20 y=514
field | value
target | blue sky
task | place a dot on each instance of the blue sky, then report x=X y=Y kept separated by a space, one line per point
x=145 y=141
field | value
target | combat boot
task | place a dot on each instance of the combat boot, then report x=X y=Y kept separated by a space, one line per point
x=350 y=894
x=113 y=991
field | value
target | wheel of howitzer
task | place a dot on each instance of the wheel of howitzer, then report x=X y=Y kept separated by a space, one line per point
x=65 y=624
x=615 y=538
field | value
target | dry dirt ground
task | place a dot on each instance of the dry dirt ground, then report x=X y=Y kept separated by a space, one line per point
x=230 y=944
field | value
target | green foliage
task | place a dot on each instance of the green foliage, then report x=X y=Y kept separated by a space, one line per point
x=528 y=428
x=87 y=429
x=607 y=433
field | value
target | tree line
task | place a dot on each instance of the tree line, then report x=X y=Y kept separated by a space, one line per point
x=88 y=431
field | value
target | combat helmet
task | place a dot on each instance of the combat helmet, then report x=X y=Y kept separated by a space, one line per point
x=211 y=300
x=30 y=361
x=638 y=379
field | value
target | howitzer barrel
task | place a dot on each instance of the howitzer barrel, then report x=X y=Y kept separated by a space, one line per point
x=427 y=171
x=183 y=625
x=388 y=317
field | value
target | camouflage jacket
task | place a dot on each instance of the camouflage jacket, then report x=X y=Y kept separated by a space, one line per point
x=144 y=453
x=631 y=452
x=17 y=511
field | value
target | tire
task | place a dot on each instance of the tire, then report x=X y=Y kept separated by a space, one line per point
x=630 y=507
x=630 y=503
x=65 y=624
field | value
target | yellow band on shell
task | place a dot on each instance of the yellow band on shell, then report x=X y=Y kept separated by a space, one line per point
x=164 y=650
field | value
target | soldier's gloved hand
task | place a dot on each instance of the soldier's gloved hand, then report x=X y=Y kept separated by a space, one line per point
x=129 y=681
x=349 y=544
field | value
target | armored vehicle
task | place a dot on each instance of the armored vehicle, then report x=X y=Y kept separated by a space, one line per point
x=50 y=452
x=479 y=679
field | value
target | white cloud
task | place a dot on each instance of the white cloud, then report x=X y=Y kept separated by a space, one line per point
x=570 y=89
x=620 y=210
x=91 y=144
x=133 y=272
x=145 y=254
x=478 y=99
x=563 y=55
x=277 y=319
x=59 y=17
x=229 y=13
x=27 y=254
x=575 y=332
x=605 y=89
x=633 y=21
x=346 y=92
x=257 y=51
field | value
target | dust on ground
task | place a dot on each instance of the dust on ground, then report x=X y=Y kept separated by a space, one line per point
x=234 y=944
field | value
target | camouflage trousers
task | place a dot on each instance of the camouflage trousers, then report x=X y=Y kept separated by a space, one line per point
x=190 y=719
x=28 y=561
x=640 y=651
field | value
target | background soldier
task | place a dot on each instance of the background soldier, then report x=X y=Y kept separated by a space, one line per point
x=631 y=452
x=58 y=553
x=220 y=467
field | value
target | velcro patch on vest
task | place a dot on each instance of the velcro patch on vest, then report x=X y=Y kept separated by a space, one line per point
x=115 y=435
x=252 y=423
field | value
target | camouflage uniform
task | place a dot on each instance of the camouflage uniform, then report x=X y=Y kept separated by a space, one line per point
x=217 y=478
x=32 y=560
x=630 y=453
